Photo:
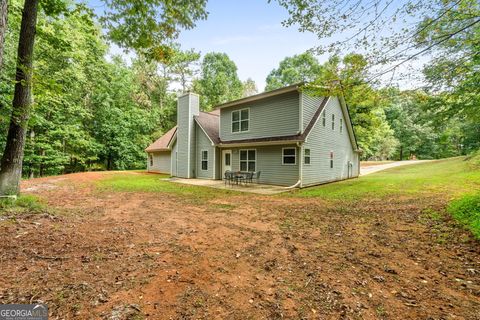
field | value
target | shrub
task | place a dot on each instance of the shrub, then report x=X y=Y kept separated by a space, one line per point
x=466 y=210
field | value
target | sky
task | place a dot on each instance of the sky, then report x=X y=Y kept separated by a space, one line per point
x=250 y=33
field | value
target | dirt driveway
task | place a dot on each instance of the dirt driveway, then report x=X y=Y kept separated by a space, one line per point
x=369 y=168
x=134 y=255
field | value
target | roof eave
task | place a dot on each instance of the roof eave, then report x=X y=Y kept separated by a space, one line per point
x=261 y=143
x=263 y=95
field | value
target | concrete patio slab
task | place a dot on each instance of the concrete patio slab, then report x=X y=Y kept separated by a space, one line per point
x=220 y=184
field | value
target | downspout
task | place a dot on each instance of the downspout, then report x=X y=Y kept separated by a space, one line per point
x=298 y=184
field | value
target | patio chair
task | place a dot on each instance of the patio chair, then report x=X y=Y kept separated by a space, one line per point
x=228 y=177
x=249 y=177
x=256 y=176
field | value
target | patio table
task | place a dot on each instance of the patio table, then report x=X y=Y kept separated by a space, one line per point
x=239 y=176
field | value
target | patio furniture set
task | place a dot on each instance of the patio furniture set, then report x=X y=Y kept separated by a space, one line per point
x=239 y=177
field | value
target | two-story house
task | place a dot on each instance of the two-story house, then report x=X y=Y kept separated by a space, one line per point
x=291 y=137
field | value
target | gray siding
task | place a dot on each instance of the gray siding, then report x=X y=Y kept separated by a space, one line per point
x=174 y=159
x=187 y=107
x=269 y=162
x=272 y=117
x=321 y=141
x=309 y=106
x=204 y=143
x=161 y=162
x=218 y=163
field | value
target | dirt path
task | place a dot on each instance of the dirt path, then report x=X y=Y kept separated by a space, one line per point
x=157 y=256
x=379 y=167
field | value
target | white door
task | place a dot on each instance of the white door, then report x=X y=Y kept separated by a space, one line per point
x=226 y=161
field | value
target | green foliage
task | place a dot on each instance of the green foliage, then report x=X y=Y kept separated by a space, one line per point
x=296 y=69
x=347 y=77
x=23 y=204
x=249 y=88
x=88 y=113
x=218 y=81
x=148 y=25
x=467 y=211
x=452 y=176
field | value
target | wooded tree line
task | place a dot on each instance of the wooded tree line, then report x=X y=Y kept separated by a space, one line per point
x=91 y=111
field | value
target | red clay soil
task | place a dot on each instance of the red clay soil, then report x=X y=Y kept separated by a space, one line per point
x=158 y=256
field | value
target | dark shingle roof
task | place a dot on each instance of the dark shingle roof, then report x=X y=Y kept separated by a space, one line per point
x=210 y=123
x=161 y=144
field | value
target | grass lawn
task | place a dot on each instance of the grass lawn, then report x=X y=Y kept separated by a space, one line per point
x=383 y=246
x=157 y=183
x=452 y=177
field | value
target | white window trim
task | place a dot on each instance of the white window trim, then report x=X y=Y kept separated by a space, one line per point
x=240 y=158
x=324 y=118
x=333 y=121
x=239 y=121
x=283 y=157
x=341 y=125
x=309 y=156
x=331 y=160
x=201 y=159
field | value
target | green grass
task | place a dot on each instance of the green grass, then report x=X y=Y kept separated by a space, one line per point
x=155 y=183
x=23 y=204
x=466 y=210
x=453 y=176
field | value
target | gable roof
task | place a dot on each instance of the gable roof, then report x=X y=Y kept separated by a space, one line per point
x=163 y=143
x=260 y=96
x=209 y=122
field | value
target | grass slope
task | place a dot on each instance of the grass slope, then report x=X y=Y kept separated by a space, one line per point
x=453 y=176
x=157 y=183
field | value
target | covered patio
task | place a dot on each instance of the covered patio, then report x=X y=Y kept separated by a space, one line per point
x=220 y=184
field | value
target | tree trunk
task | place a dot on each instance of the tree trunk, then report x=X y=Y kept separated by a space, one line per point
x=3 y=28
x=401 y=153
x=31 y=175
x=11 y=164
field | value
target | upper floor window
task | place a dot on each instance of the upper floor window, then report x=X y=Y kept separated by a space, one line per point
x=240 y=120
x=289 y=155
x=324 y=118
x=333 y=122
x=204 y=160
x=341 y=125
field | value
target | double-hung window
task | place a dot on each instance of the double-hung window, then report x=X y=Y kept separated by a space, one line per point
x=324 y=118
x=204 y=160
x=331 y=159
x=341 y=125
x=248 y=160
x=333 y=122
x=289 y=156
x=151 y=160
x=240 y=120
x=306 y=156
